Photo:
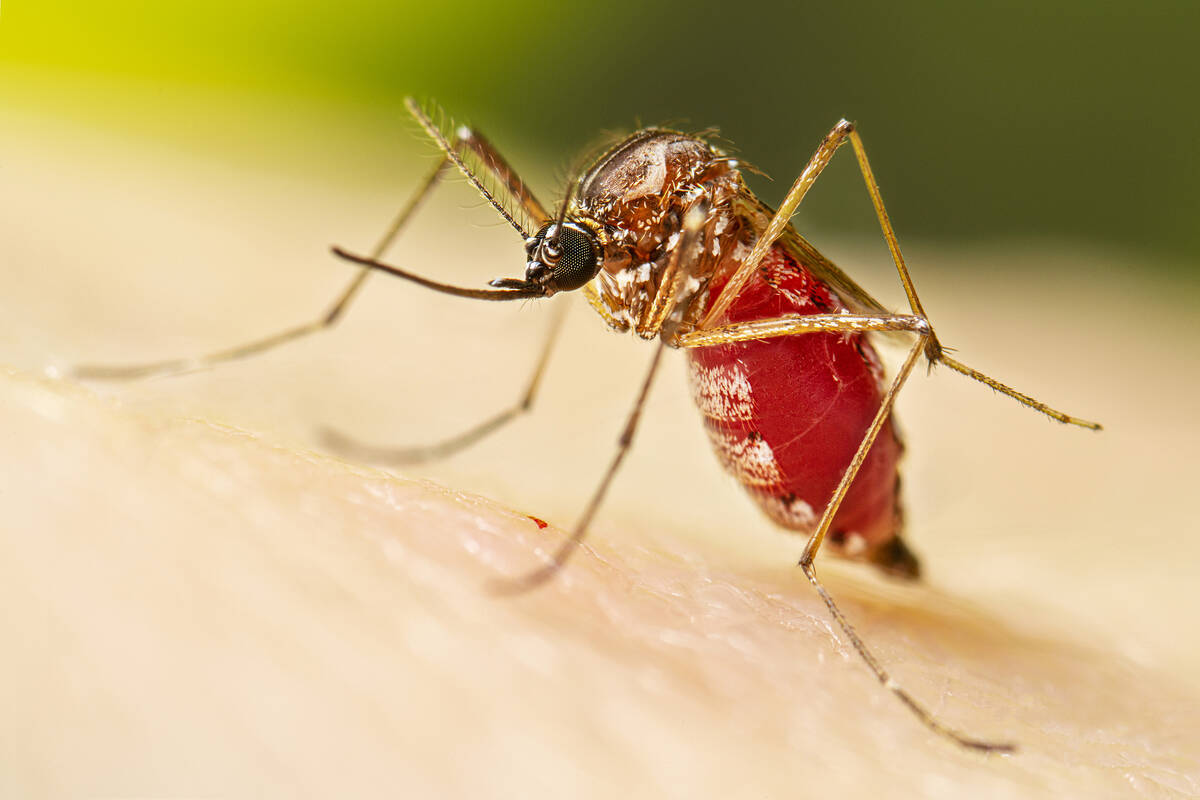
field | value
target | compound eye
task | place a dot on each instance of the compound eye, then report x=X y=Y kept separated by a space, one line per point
x=578 y=258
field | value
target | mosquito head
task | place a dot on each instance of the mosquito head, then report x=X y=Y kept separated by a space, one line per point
x=562 y=257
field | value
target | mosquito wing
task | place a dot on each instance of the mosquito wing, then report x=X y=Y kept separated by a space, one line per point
x=856 y=298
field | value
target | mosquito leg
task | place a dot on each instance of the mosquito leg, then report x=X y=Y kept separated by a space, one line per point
x=933 y=349
x=178 y=366
x=885 y=409
x=849 y=323
x=542 y=574
x=885 y=224
x=794 y=324
x=783 y=217
x=780 y=222
x=842 y=132
x=359 y=451
x=923 y=714
x=818 y=537
x=465 y=148
x=677 y=272
x=798 y=324
x=1020 y=397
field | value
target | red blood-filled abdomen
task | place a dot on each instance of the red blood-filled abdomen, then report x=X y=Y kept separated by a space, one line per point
x=786 y=415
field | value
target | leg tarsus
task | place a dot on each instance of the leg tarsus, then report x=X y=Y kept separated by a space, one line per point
x=818 y=537
x=356 y=450
x=353 y=449
x=1020 y=397
x=537 y=577
x=934 y=351
x=923 y=714
x=511 y=189
x=179 y=366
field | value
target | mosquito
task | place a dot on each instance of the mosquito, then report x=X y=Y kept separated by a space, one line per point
x=665 y=240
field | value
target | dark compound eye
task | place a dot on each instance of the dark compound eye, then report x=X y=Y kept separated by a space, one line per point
x=578 y=258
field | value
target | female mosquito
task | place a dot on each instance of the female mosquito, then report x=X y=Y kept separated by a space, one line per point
x=665 y=240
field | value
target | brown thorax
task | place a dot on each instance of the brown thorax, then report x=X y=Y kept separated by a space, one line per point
x=636 y=198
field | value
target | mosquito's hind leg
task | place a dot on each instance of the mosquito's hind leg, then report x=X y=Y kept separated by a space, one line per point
x=360 y=451
x=934 y=351
x=842 y=132
x=782 y=219
x=176 y=366
x=797 y=325
x=818 y=537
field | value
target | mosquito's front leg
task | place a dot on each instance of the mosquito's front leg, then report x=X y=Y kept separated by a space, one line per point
x=177 y=366
x=682 y=260
x=360 y=451
x=468 y=150
x=547 y=571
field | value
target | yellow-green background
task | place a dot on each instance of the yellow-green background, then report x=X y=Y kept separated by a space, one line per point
x=1074 y=120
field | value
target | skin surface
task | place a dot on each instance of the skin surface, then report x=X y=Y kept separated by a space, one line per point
x=195 y=603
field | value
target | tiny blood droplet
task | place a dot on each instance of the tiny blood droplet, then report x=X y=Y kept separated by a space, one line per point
x=541 y=523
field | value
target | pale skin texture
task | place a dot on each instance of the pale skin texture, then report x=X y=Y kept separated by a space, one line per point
x=197 y=603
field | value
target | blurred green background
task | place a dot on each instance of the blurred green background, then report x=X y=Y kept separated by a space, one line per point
x=986 y=121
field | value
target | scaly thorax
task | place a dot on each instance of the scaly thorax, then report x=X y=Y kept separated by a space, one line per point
x=638 y=194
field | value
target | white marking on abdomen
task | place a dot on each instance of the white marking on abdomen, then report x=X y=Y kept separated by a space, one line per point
x=722 y=393
x=748 y=458
x=791 y=512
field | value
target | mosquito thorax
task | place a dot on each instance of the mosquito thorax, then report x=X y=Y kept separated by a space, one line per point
x=562 y=256
x=640 y=191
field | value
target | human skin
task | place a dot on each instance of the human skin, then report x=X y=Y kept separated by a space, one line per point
x=197 y=602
